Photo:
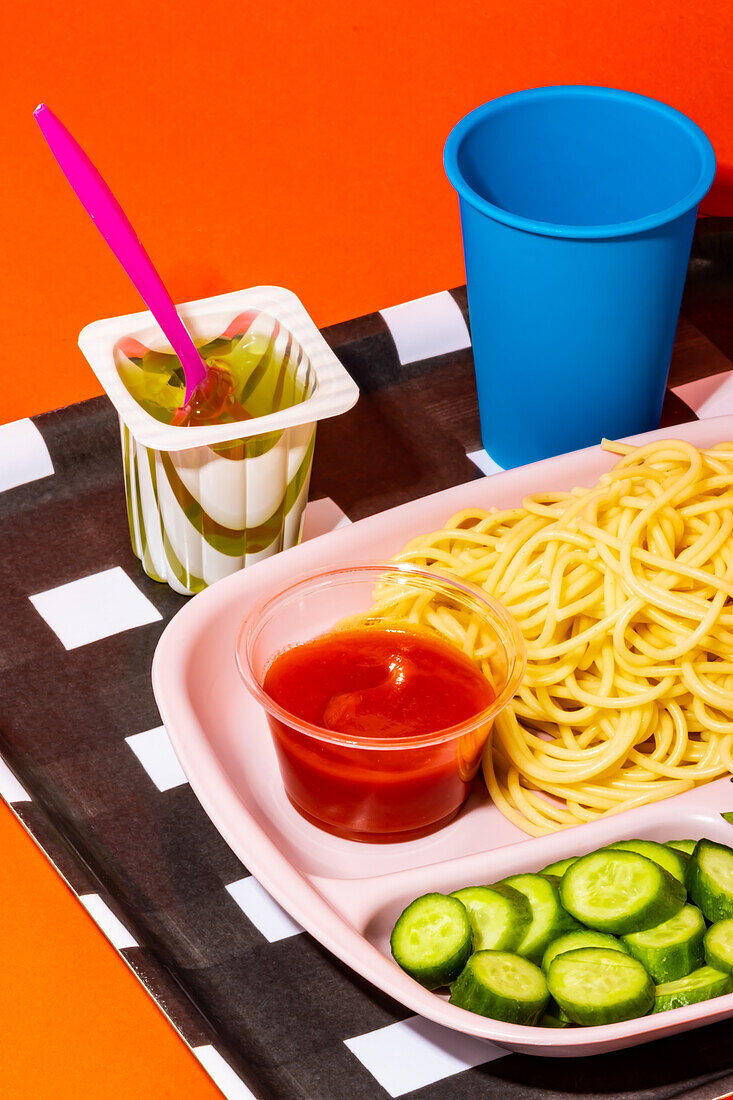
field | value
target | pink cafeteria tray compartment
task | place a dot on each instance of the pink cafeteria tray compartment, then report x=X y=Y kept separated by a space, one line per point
x=347 y=894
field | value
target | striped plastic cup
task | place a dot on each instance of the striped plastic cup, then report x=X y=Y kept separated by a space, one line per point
x=207 y=500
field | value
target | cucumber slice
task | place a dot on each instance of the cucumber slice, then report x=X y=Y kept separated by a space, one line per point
x=549 y=919
x=432 y=940
x=596 y=986
x=672 y=949
x=671 y=860
x=702 y=985
x=560 y=867
x=554 y=1016
x=618 y=891
x=583 y=937
x=499 y=916
x=503 y=986
x=687 y=847
x=710 y=879
x=718 y=945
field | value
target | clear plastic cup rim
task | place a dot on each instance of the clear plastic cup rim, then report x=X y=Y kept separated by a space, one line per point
x=504 y=624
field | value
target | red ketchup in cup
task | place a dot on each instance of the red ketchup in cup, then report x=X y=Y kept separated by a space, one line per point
x=378 y=685
x=378 y=721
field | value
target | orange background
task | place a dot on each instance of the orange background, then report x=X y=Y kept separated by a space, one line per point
x=290 y=143
x=280 y=142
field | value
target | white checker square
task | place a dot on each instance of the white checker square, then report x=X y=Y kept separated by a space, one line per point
x=264 y=912
x=425 y=327
x=417 y=1052
x=485 y=462
x=155 y=752
x=712 y=396
x=322 y=516
x=113 y=928
x=94 y=607
x=23 y=454
x=222 y=1074
x=10 y=789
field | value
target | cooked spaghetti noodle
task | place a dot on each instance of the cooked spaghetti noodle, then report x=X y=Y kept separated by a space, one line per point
x=624 y=596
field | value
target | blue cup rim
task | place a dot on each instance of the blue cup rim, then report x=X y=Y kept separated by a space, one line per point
x=550 y=229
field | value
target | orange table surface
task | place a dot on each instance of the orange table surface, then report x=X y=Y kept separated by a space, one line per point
x=74 y=1020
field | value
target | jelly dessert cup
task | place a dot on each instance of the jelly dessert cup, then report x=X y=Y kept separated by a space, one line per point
x=375 y=789
x=206 y=500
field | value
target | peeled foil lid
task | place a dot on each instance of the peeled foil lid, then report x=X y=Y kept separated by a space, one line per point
x=335 y=391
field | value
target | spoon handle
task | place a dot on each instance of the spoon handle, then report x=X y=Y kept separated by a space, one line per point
x=111 y=221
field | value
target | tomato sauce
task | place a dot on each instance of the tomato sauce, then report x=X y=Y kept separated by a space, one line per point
x=368 y=684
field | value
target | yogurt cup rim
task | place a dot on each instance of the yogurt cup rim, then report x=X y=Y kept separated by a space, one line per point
x=334 y=391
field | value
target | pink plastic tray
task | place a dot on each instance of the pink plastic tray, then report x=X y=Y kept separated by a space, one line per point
x=346 y=894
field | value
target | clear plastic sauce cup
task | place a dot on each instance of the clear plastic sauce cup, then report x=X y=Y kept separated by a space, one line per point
x=391 y=788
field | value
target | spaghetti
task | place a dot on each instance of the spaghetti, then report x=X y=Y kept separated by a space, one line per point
x=624 y=596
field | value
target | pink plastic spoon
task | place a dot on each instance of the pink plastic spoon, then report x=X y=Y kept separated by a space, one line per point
x=111 y=221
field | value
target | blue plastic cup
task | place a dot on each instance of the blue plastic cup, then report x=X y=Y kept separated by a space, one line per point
x=578 y=206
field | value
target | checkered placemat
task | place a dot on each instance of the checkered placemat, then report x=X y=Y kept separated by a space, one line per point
x=89 y=771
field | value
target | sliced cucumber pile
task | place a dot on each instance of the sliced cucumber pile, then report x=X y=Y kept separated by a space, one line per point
x=554 y=1016
x=701 y=985
x=549 y=919
x=559 y=868
x=710 y=879
x=593 y=985
x=673 y=861
x=500 y=916
x=718 y=945
x=620 y=891
x=503 y=986
x=620 y=933
x=432 y=940
x=584 y=937
x=672 y=949
x=687 y=847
